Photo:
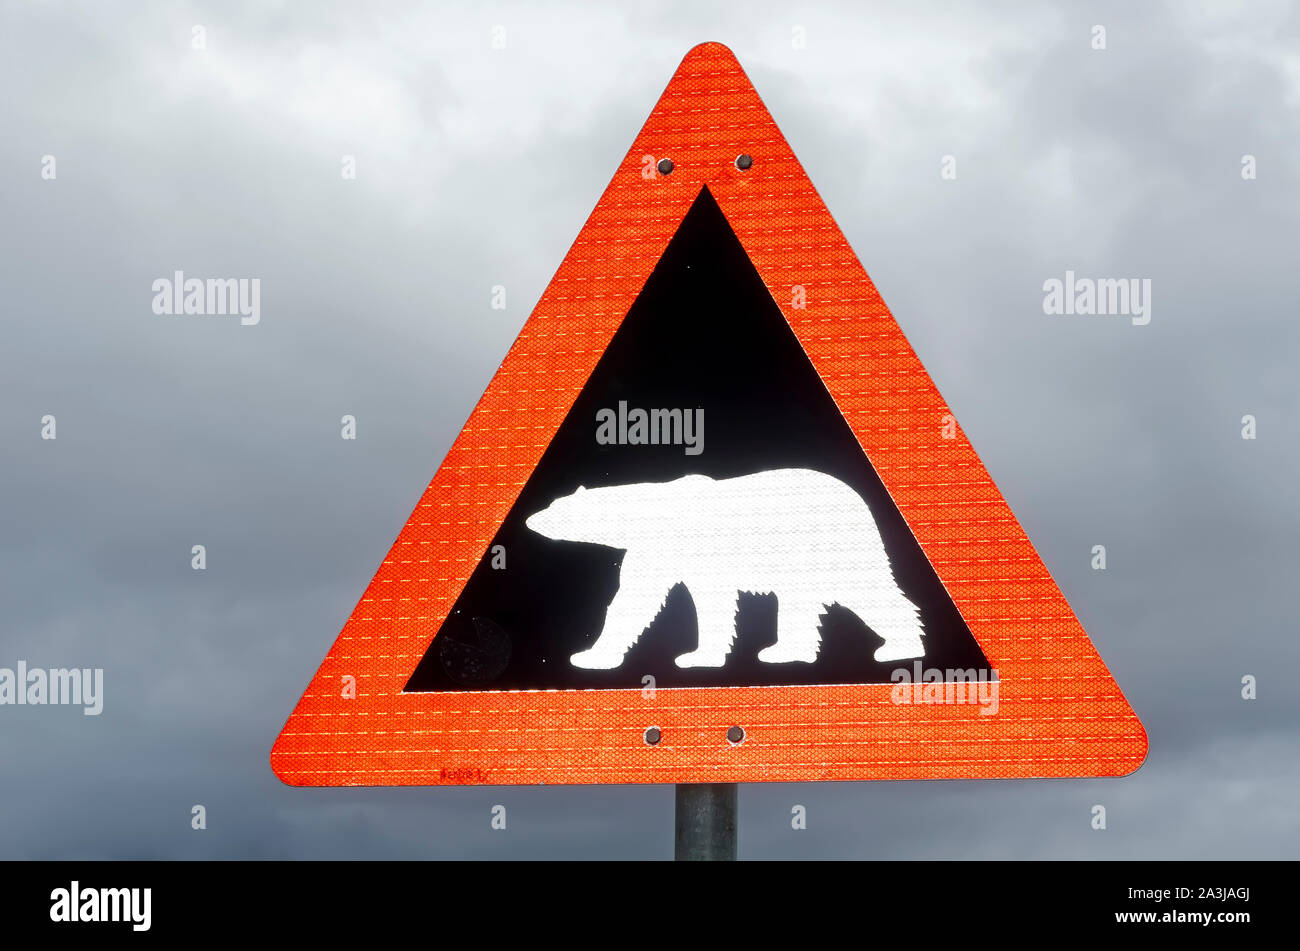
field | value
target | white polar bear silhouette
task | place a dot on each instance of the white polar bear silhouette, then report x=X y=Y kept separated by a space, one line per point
x=800 y=534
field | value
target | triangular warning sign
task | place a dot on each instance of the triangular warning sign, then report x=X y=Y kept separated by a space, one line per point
x=711 y=521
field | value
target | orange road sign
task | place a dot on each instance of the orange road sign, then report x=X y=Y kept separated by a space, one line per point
x=710 y=522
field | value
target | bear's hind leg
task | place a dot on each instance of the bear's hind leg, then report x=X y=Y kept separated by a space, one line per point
x=898 y=622
x=883 y=607
x=798 y=638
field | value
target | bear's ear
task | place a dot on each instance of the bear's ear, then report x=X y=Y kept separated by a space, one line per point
x=580 y=490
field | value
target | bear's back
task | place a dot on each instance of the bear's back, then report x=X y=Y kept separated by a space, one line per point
x=778 y=502
x=796 y=487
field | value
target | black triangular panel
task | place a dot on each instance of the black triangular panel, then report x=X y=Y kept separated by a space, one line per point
x=703 y=333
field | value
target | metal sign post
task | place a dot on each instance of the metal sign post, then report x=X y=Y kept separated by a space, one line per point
x=706 y=822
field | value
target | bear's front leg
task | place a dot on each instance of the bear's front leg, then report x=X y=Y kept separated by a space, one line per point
x=715 y=616
x=638 y=601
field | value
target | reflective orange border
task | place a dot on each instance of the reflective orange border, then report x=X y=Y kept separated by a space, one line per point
x=1060 y=712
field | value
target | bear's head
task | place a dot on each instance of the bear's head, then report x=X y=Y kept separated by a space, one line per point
x=618 y=515
x=580 y=517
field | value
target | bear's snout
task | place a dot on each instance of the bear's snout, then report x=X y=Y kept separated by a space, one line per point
x=539 y=523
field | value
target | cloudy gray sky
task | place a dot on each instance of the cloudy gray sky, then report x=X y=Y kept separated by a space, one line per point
x=478 y=167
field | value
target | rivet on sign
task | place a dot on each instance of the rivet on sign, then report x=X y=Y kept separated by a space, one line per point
x=665 y=166
x=652 y=736
x=743 y=162
x=735 y=736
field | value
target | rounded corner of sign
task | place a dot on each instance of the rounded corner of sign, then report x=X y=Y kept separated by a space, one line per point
x=1137 y=744
x=1140 y=752
x=277 y=767
x=288 y=779
x=1129 y=771
x=708 y=47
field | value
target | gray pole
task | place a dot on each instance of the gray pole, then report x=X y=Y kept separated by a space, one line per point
x=706 y=822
